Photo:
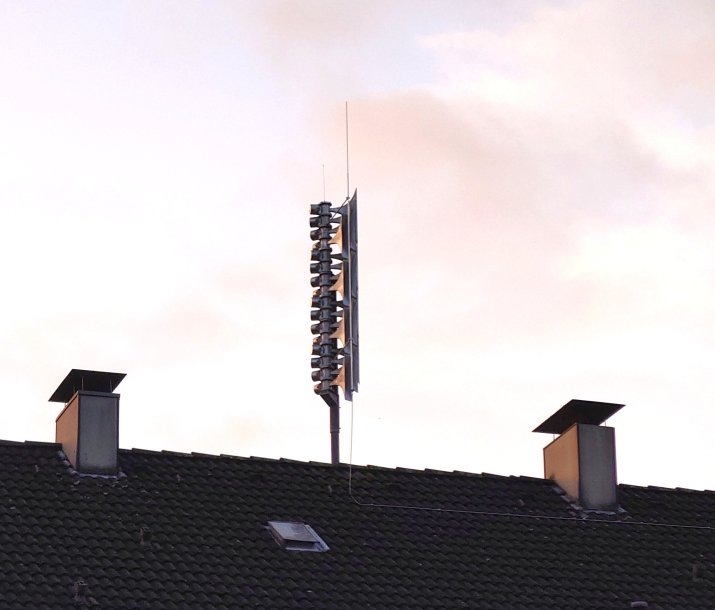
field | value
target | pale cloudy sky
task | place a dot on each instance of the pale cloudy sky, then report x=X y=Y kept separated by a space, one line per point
x=536 y=187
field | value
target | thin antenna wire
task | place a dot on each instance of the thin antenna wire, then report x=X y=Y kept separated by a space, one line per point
x=323 y=181
x=347 y=149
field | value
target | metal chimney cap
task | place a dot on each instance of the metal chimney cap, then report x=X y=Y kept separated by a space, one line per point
x=578 y=412
x=80 y=379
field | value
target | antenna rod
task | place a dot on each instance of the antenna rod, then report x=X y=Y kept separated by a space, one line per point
x=347 y=149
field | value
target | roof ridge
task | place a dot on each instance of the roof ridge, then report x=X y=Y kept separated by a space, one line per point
x=29 y=443
x=358 y=467
x=667 y=489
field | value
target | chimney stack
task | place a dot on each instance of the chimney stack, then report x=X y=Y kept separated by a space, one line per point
x=88 y=426
x=582 y=459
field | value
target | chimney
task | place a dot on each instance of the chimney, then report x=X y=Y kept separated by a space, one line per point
x=88 y=426
x=582 y=459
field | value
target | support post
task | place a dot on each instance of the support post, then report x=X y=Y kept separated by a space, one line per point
x=335 y=433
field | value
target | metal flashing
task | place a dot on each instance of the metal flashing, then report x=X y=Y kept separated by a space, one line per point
x=578 y=412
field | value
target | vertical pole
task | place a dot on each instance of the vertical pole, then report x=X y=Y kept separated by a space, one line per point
x=347 y=151
x=335 y=434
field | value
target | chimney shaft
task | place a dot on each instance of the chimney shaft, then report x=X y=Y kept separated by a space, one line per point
x=582 y=460
x=88 y=426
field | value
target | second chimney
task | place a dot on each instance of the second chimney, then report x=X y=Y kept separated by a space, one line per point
x=582 y=459
x=88 y=426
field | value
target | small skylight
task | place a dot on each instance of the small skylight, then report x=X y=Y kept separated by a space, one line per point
x=297 y=536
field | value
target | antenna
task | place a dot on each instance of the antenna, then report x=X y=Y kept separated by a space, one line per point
x=347 y=151
x=334 y=304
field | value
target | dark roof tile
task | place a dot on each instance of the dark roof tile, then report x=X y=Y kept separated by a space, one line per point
x=404 y=539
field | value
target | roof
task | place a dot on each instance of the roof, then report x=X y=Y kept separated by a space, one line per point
x=178 y=531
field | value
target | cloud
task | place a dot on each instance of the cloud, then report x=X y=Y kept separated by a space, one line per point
x=535 y=185
x=549 y=191
x=570 y=50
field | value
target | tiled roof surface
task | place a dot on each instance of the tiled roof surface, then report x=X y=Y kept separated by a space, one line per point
x=486 y=541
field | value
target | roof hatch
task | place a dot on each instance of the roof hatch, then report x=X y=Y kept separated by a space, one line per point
x=297 y=536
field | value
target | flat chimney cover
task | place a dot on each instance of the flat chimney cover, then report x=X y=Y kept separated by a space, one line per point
x=578 y=412
x=92 y=381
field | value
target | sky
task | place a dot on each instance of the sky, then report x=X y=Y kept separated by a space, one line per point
x=535 y=185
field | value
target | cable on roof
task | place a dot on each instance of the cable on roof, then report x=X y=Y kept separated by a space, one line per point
x=492 y=513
